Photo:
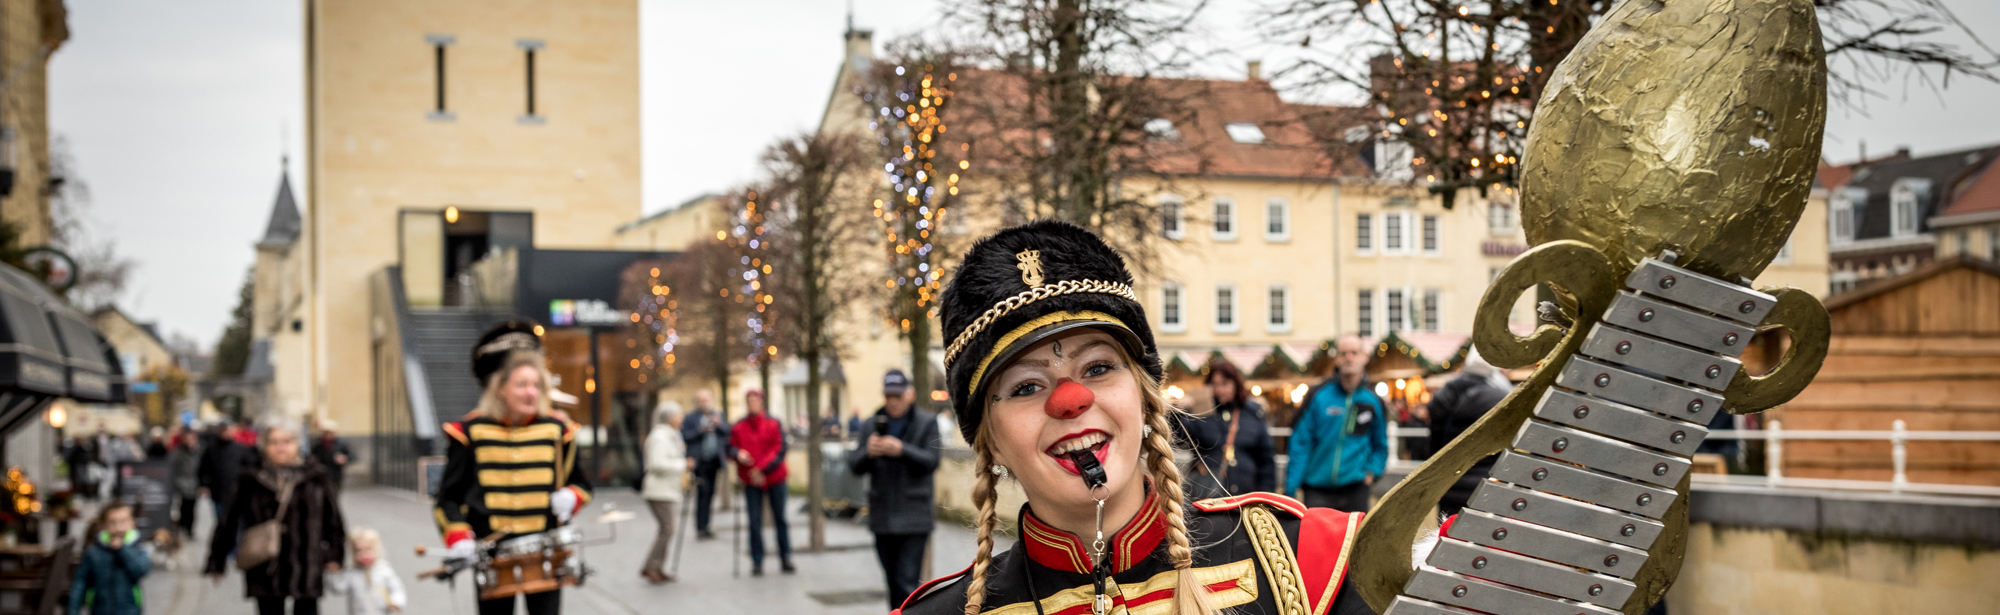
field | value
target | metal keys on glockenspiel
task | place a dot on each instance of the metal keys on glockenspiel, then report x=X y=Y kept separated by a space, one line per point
x=1562 y=524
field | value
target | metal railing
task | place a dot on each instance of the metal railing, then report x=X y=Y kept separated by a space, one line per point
x=1898 y=436
x=1774 y=438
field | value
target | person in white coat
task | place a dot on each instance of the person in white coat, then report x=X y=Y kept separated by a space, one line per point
x=370 y=585
x=666 y=466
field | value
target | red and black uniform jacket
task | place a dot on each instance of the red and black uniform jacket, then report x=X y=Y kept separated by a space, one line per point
x=498 y=476
x=1258 y=553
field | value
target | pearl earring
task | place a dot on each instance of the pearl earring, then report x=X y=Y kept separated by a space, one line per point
x=1000 y=471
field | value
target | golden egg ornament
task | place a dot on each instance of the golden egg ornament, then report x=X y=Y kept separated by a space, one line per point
x=1687 y=125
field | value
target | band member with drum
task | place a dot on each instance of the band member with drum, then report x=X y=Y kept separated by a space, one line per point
x=1055 y=380
x=510 y=466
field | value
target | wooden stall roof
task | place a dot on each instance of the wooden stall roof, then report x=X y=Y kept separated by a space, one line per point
x=1959 y=296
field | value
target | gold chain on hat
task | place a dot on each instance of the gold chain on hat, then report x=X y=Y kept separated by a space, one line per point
x=1038 y=293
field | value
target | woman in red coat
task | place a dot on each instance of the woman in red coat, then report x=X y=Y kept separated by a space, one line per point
x=759 y=444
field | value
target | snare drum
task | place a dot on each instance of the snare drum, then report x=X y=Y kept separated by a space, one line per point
x=532 y=563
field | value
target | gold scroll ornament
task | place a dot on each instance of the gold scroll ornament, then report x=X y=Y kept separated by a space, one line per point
x=1679 y=125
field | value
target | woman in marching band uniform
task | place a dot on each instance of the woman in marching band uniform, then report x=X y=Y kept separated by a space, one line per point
x=1056 y=382
x=510 y=465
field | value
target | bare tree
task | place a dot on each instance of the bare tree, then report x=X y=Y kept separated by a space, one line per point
x=815 y=214
x=1456 y=82
x=706 y=307
x=101 y=271
x=1068 y=91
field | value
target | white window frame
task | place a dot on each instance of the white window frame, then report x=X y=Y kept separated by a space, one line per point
x=1431 y=311
x=1403 y=236
x=1173 y=210
x=1174 y=296
x=1841 y=216
x=1430 y=234
x=1396 y=309
x=1222 y=211
x=1784 y=256
x=1393 y=159
x=1278 y=309
x=1279 y=211
x=1501 y=219
x=1234 y=311
x=1365 y=231
x=1906 y=202
x=1365 y=313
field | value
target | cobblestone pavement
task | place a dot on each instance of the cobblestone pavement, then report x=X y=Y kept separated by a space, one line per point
x=844 y=579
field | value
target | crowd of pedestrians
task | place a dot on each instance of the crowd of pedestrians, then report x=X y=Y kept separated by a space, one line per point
x=277 y=487
x=252 y=476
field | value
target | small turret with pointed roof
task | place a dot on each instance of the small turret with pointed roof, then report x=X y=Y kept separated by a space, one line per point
x=283 y=229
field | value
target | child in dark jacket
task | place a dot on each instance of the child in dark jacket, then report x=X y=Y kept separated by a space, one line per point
x=107 y=577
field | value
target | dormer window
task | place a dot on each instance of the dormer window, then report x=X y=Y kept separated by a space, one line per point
x=1906 y=205
x=1245 y=132
x=1163 y=129
x=1846 y=208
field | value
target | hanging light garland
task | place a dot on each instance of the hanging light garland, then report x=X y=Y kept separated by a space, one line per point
x=922 y=176
x=654 y=328
x=751 y=238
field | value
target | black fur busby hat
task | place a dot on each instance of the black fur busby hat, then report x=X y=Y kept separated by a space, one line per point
x=1022 y=285
x=503 y=339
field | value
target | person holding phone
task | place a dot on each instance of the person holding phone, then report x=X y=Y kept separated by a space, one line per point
x=900 y=449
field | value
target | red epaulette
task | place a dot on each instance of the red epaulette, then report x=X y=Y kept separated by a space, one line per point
x=1279 y=502
x=456 y=431
x=1326 y=539
x=925 y=589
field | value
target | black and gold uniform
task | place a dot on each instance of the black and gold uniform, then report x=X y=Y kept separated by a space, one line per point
x=498 y=477
x=1246 y=561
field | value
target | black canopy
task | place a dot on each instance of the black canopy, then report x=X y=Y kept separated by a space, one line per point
x=48 y=350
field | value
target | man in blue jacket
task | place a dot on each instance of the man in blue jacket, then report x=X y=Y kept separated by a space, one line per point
x=1341 y=440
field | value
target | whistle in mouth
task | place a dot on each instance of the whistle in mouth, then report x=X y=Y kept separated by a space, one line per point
x=1087 y=466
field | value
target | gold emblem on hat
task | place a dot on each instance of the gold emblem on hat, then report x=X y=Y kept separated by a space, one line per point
x=1030 y=266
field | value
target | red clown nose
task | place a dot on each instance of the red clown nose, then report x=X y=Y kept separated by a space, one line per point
x=1069 y=400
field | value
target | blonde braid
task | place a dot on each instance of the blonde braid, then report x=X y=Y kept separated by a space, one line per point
x=985 y=493
x=1190 y=597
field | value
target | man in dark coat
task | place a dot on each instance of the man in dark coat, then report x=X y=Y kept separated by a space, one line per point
x=221 y=462
x=899 y=448
x=706 y=433
x=331 y=452
x=1456 y=406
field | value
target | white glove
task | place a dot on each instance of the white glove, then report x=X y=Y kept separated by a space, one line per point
x=465 y=549
x=562 y=502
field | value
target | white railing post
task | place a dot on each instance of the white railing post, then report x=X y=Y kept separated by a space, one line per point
x=1774 y=452
x=1395 y=441
x=1900 y=454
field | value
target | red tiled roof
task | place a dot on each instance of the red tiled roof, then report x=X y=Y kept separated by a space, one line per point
x=1834 y=176
x=1980 y=192
x=1204 y=147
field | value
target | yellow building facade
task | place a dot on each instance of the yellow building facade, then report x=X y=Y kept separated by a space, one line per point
x=439 y=131
x=30 y=31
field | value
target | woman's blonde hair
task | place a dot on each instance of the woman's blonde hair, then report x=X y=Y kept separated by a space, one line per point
x=1190 y=596
x=492 y=406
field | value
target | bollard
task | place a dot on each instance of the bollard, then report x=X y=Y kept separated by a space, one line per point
x=1900 y=455
x=1774 y=452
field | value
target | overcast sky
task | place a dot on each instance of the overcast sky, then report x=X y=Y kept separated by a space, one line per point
x=177 y=113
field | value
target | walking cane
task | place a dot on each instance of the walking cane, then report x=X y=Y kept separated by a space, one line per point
x=681 y=535
x=736 y=540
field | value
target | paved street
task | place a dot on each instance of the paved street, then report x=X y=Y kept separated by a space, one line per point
x=843 y=580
